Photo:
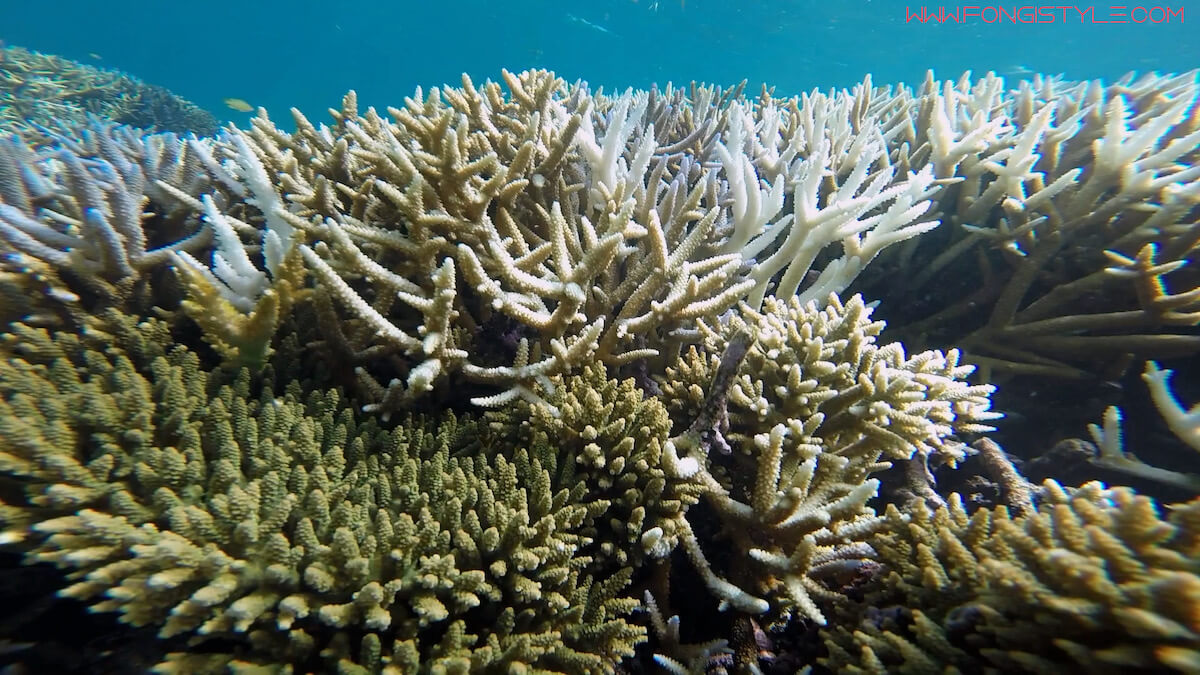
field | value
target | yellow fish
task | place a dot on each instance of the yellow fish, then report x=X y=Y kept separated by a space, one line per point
x=94 y=55
x=238 y=104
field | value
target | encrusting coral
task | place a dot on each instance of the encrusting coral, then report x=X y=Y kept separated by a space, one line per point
x=1096 y=579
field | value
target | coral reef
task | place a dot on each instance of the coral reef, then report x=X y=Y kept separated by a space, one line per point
x=814 y=409
x=611 y=439
x=41 y=94
x=1095 y=579
x=594 y=227
x=454 y=389
x=1072 y=212
x=208 y=510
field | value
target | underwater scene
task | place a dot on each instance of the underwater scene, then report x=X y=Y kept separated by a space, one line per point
x=625 y=336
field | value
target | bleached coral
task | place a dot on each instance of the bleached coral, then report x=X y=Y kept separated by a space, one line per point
x=1072 y=209
x=519 y=245
x=602 y=227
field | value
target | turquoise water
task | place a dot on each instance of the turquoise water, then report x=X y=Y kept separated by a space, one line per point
x=307 y=54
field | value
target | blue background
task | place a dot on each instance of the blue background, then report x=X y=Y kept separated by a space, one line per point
x=307 y=54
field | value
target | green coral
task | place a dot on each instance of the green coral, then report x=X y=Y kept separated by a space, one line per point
x=608 y=437
x=284 y=527
x=215 y=507
x=1095 y=580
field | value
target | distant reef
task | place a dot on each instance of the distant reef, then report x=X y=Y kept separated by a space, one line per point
x=43 y=91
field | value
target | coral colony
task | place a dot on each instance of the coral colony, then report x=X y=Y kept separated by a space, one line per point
x=519 y=377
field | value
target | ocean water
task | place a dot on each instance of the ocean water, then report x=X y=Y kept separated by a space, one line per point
x=306 y=54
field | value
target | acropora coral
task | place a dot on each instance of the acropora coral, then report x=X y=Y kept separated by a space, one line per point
x=1096 y=579
x=41 y=94
x=459 y=388
x=290 y=524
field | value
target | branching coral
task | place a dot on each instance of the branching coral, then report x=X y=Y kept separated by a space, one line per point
x=1110 y=451
x=1184 y=423
x=79 y=214
x=815 y=409
x=596 y=227
x=520 y=246
x=281 y=521
x=1073 y=213
x=1096 y=579
x=591 y=223
x=40 y=91
x=609 y=437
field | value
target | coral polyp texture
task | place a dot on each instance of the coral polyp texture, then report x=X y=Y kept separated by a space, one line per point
x=1097 y=579
x=454 y=386
x=206 y=510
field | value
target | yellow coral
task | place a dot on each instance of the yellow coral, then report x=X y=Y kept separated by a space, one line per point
x=1096 y=579
x=285 y=527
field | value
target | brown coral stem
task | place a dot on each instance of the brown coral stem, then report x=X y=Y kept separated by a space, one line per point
x=1017 y=492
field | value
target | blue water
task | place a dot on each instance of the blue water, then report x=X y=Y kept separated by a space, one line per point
x=306 y=54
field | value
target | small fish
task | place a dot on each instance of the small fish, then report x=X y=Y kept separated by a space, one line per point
x=94 y=55
x=589 y=24
x=1018 y=69
x=238 y=104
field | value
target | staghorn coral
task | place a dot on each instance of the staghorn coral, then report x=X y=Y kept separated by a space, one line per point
x=1095 y=579
x=814 y=408
x=227 y=510
x=682 y=659
x=1072 y=217
x=98 y=221
x=98 y=218
x=40 y=93
x=585 y=226
x=591 y=226
x=1185 y=424
x=516 y=245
